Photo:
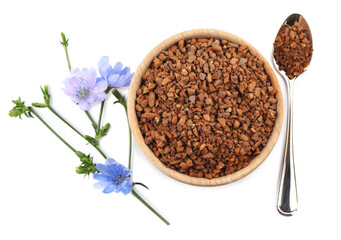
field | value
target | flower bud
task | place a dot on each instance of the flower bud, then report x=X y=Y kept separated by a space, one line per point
x=80 y=154
x=87 y=166
x=19 y=109
x=91 y=140
x=39 y=105
x=103 y=131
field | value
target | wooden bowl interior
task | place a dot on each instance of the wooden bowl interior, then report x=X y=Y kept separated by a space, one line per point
x=136 y=83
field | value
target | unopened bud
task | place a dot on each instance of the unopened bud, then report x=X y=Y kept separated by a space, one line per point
x=39 y=105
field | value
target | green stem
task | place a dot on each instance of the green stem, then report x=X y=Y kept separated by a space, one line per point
x=100 y=117
x=67 y=58
x=51 y=129
x=100 y=151
x=130 y=146
x=80 y=134
x=122 y=101
x=130 y=137
x=149 y=207
x=65 y=43
x=91 y=119
x=61 y=118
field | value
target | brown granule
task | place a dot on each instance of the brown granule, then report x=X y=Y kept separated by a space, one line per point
x=293 y=49
x=206 y=107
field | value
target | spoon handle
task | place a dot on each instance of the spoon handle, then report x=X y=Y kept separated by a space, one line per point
x=287 y=202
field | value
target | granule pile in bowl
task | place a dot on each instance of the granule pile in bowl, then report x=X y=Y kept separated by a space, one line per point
x=206 y=107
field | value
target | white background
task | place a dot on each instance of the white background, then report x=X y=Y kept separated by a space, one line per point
x=43 y=198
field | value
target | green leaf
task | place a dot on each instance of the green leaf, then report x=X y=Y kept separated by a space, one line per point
x=103 y=131
x=94 y=126
x=65 y=41
x=80 y=154
x=46 y=94
x=120 y=99
x=87 y=166
x=91 y=140
x=118 y=95
x=19 y=109
x=138 y=183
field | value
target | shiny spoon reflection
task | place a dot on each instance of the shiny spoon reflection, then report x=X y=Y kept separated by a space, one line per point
x=287 y=201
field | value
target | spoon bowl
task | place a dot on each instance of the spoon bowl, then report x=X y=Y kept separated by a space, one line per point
x=291 y=58
x=294 y=54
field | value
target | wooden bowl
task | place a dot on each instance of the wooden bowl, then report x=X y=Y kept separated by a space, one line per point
x=136 y=83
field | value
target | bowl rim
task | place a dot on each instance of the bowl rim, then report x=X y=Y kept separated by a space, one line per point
x=136 y=83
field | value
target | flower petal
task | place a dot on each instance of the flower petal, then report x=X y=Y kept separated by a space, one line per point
x=71 y=95
x=117 y=68
x=68 y=92
x=126 y=187
x=102 y=168
x=98 y=185
x=99 y=97
x=127 y=171
x=105 y=71
x=84 y=74
x=119 y=170
x=127 y=80
x=71 y=83
x=101 y=177
x=87 y=76
x=100 y=86
x=71 y=86
x=109 y=188
x=103 y=62
x=91 y=98
x=99 y=79
x=113 y=79
x=91 y=79
x=125 y=71
x=109 y=161
x=84 y=105
x=115 y=169
x=120 y=82
x=75 y=72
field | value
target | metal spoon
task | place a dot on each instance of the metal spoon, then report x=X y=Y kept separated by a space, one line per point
x=287 y=201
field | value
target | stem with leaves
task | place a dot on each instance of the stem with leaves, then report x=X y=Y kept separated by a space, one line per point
x=121 y=100
x=65 y=44
x=47 y=104
x=87 y=165
x=100 y=117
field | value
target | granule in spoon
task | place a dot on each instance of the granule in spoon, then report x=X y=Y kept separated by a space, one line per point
x=293 y=49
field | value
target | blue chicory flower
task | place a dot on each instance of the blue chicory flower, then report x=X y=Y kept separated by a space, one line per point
x=83 y=88
x=115 y=76
x=113 y=176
